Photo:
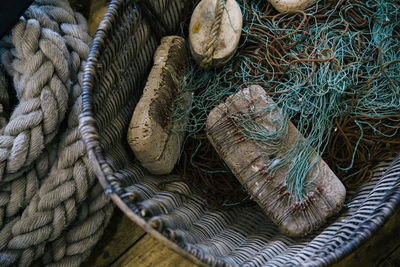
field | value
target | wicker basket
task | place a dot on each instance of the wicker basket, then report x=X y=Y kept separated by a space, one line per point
x=118 y=65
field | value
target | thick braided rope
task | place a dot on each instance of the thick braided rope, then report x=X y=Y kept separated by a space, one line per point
x=23 y=238
x=56 y=206
x=17 y=193
x=74 y=245
x=43 y=69
x=212 y=41
x=49 y=212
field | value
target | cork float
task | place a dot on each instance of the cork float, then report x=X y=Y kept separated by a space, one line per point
x=251 y=160
x=291 y=5
x=157 y=127
x=214 y=32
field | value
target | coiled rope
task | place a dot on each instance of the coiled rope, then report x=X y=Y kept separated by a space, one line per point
x=52 y=210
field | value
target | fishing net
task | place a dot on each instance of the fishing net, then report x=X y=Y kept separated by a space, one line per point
x=333 y=70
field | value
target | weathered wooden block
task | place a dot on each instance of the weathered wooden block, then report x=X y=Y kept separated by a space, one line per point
x=291 y=5
x=201 y=31
x=154 y=135
x=251 y=161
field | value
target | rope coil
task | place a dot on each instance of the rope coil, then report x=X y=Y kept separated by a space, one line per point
x=50 y=206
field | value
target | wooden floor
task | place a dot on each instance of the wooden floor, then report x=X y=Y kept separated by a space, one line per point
x=126 y=244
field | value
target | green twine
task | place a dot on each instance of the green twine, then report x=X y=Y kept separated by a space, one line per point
x=315 y=92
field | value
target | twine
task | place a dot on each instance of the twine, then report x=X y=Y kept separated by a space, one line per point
x=212 y=41
x=331 y=69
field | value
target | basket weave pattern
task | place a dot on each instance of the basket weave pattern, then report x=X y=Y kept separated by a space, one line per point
x=117 y=69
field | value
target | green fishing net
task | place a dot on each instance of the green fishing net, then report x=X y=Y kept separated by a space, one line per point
x=333 y=70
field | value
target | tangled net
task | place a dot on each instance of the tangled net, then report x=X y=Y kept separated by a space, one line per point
x=333 y=69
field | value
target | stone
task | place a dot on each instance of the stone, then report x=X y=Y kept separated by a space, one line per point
x=291 y=5
x=249 y=160
x=158 y=124
x=227 y=40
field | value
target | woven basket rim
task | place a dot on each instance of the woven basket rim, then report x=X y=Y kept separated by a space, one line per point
x=90 y=134
x=103 y=170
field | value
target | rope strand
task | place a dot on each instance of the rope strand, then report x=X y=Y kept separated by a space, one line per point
x=212 y=41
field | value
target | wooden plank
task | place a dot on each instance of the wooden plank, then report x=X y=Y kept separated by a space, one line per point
x=118 y=237
x=379 y=247
x=150 y=252
x=125 y=244
x=96 y=13
x=392 y=260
